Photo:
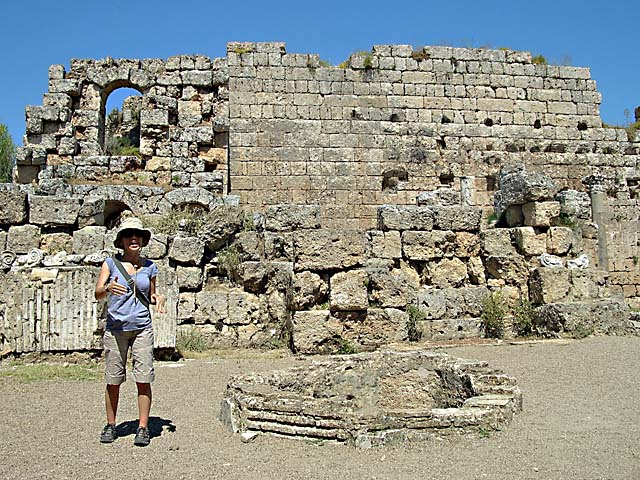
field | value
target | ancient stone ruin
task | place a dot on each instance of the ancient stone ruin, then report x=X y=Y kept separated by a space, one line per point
x=325 y=208
x=373 y=399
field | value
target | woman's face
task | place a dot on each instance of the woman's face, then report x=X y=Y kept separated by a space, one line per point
x=132 y=240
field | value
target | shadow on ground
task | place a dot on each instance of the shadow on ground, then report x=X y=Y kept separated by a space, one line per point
x=156 y=427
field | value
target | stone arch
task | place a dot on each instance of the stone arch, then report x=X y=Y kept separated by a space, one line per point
x=104 y=95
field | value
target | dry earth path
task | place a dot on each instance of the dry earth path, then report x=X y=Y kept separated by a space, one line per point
x=581 y=420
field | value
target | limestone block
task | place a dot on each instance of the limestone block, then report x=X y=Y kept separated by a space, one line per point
x=279 y=246
x=91 y=212
x=446 y=272
x=404 y=217
x=211 y=307
x=456 y=328
x=384 y=244
x=512 y=269
x=248 y=244
x=157 y=247
x=186 y=307
x=14 y=207
x=224 y=222
x=154 y=118
x=549 y=285
x=189 y=278
x=456 y=218
x=559 y=240
x=606 y=316
x=517 y=187
x=318 y=250
x=395 y=288
x=315 y=331
x=244 y=308
x=90 y=240
x=211 y=181
x=440 y=196
x=188 y=250
x=476 y=271
x=22 y=238
x=254 y=275
x=513 y=216
x=376 y=327
x=587 y=284
x=540 y=214
x=348 y=291
x=428 y=245
x=283 y=218
x=158 y=164
x=467 y=244
x=574 y=204
x=307 y=289
x=432 y=302
x=529 y=242
x=53 y=211
x=52 y=243
x=497 y=241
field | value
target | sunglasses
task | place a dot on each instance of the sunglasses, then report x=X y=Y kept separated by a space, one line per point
x=131 y=233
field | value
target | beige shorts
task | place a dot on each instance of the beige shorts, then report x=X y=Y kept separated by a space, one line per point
x=116 y=347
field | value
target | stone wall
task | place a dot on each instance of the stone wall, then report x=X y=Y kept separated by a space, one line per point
x=333 y=199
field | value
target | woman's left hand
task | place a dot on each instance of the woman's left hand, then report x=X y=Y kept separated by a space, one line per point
x=160 y=302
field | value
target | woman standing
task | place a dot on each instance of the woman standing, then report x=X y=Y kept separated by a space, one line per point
x=129 y=281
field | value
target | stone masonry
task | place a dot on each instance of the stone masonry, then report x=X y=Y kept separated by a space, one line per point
x=331 y=201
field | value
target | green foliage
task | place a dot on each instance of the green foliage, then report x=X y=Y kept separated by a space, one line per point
x=229 y=261
x=248 y=225
x=367 y=59
x=121 y=146
x=324 y=64
x=192 y=219
x=241 y=50
x=523 y=318
x=493 y=312
x=635 y=260
x=42 y=371
x=484 y=432
x=7 y=154
x=492 y=218
x=632 y=129
x=539 y=60
x=345 y=347
x=191 y=340
x=415 y=317
x=565 y=220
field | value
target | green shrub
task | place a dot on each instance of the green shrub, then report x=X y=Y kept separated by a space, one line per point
x=229 y=261
x=192 y=218
x=523 y=318
x=345 y=347
x=493 y=312
x=191 y=340
x=415 y=317
x=539 y=60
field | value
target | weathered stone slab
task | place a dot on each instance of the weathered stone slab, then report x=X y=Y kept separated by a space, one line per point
x=497 y=241
x=22 y=238
x=579 y=319
x=53 y=211
x=559 y=240
x=428 y=245
x=52 y=243
x=348 y=291
x=284 y=218
x=517 y=187
x=549 y=284
x=89 y=240
x=188 y=250
x=456 y=218
x=307 y=289
x=529 y=242
x=315 y=331
x=384 y=244
x=14 y=207
x=446 y=272
x=318 y=250
x=404 y=217
x=540 y=214
x=395 y=288
x=189 y=278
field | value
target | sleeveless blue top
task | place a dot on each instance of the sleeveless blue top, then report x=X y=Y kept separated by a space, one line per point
x=126 y=313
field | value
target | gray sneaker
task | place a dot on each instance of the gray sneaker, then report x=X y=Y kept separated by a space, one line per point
x=109 y=433
x=142 y=437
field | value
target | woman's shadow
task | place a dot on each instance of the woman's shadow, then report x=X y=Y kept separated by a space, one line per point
x=156 y=426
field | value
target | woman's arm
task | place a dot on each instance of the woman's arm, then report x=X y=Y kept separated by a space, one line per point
x=102 y=287
x=156 y=298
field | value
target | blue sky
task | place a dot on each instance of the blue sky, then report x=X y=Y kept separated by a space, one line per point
x=35 y=34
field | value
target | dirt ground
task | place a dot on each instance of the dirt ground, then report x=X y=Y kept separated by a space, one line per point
x=581 y=420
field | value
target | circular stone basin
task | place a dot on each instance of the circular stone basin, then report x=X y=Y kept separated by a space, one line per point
x=372 y=399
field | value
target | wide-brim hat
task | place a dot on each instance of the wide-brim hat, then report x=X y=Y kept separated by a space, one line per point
x=129 y=224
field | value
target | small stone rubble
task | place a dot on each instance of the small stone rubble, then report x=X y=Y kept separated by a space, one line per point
x=373 y=399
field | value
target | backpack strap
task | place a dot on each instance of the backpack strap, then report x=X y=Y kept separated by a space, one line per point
x=139 y=294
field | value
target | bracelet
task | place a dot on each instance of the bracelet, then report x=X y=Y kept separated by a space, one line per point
x=106 y=288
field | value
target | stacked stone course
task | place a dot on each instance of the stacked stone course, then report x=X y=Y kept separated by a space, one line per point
x=369 y=188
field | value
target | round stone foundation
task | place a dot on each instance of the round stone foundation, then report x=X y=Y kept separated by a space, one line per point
x=373 y=399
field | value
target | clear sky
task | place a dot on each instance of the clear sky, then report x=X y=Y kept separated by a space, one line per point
x=602 y=35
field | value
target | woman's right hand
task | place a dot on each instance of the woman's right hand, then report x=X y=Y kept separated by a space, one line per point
x=114 y=288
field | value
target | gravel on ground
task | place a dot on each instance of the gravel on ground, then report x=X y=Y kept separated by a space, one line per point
x=581 y=420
